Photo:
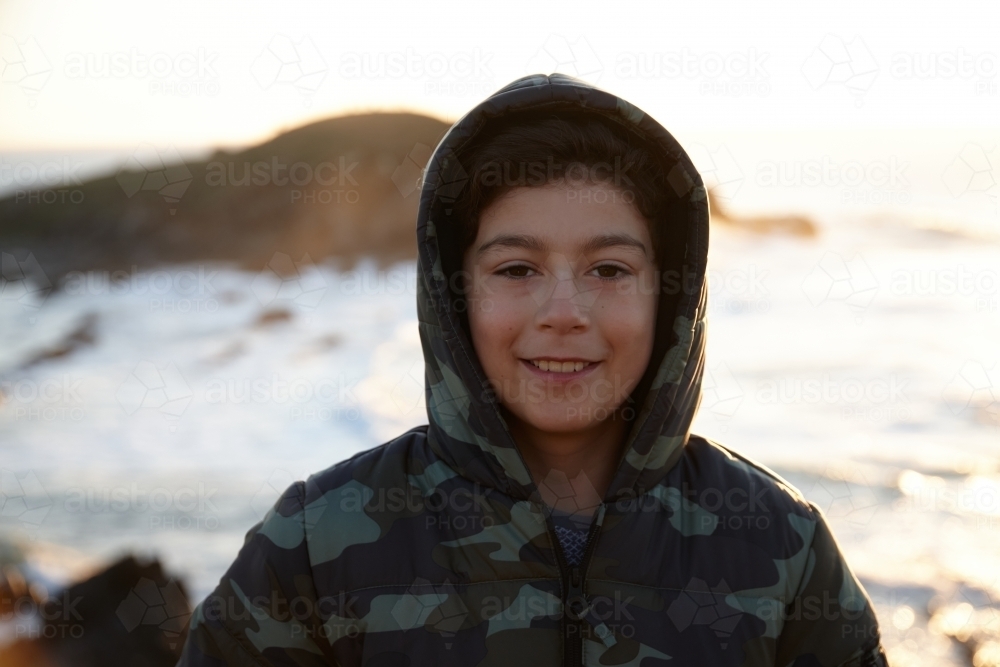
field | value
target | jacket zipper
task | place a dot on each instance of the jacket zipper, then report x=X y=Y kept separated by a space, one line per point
x=577 y=608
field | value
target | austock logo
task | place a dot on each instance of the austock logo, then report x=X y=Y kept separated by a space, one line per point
x=721 y=172
x=836 y=279
x=436 y=607
x=23 y=281
x=36 y=181
x=324 y=182
x=735 y=73
x=975 y=391
x=148 y=387
x=44 y=399
x=183 y=290
x=32 y=614
x=409 y=175
x=24 y=64
x=283 y=279
x=722 y=394
x=23 y=498
x=703 y=511
x=164 y=607
x=576 y=495
x=844 y=493
x=835 y=62
x=269 y=492
x=444 y=73
x=720 y=609
x=975 y=170
x=567 y=56
x=408 y=395
x=872 y=398
x=151 y=169
x=176 y=74
x=285 y=62
x=978 y=497
x=699 y=604
x=977 y=67
x=871 y=181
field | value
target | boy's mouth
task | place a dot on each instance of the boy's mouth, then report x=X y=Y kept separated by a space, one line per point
x=556 y=366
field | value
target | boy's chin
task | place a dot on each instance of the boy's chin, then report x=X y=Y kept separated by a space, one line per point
x=557 y=420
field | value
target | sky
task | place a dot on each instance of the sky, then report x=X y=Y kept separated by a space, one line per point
x=110 y=74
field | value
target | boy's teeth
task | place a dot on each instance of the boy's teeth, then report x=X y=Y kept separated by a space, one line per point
x=560 y=366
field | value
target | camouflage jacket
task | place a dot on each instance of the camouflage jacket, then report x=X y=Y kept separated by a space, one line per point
x=436 y=548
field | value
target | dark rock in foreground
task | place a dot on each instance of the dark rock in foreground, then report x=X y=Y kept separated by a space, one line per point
x=129 y=614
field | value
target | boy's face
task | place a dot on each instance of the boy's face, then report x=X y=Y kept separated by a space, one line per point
x=562 y=303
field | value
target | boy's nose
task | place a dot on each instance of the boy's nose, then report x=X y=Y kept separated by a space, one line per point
x=565 y=310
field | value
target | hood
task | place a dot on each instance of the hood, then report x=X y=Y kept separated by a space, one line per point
x=466 y=427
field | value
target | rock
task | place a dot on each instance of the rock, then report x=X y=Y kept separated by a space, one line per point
x=794 y=225
x=132 y=613
x=341 y=188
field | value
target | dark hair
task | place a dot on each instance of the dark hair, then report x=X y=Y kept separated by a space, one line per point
x=569 y=147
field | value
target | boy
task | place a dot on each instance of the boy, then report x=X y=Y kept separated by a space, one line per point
x=556 y=510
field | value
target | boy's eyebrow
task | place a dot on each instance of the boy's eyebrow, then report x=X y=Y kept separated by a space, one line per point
x=596 y=243
x=511 y=241
x=593 y=244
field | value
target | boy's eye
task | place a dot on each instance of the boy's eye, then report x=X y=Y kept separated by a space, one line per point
x=609 y=271
x=517 y=271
